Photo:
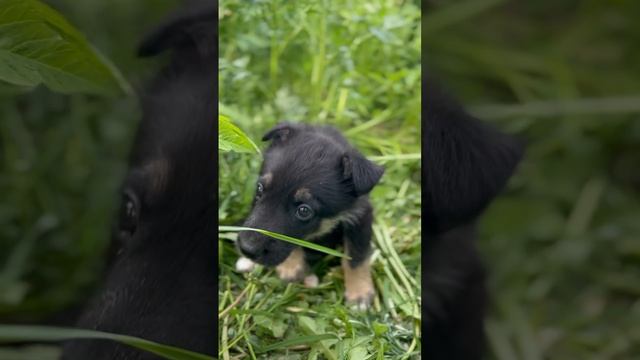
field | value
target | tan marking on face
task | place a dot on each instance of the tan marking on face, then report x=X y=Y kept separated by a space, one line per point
x=358 y=284
x=326 y=226
x=303 y=194
x=350 y=217
x=294 y=267
x=158 y=173
x=266 y=179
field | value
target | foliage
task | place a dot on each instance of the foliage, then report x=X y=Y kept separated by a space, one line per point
x=562 y=244
x=354 y=65
x=37 y=45
x=231 y=138
x=63 y=158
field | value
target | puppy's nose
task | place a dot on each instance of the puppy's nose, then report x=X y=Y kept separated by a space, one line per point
x=249 y=247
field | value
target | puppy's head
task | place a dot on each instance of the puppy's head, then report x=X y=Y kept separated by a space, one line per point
x=466 y=162
x=310 y=175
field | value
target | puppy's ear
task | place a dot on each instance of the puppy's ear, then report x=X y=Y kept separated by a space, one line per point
x=189 y=28
x=363 y=173
x=466 y=163
x=279 y=133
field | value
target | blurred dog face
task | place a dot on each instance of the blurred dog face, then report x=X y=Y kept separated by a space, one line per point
x=309 y=181
x=160 y=268
x=466 y=163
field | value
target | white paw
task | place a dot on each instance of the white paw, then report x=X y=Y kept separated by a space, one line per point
x=311 y=281
x=244 y=264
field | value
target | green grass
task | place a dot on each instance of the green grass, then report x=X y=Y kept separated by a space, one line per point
x=562 y=244
x=354 y=65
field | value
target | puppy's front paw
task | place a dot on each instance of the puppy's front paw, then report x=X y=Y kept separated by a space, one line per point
x=293 y=268
x=311 y=281
x=290 y=273
x=360 y=297
x=358 y=285
x=244 y=265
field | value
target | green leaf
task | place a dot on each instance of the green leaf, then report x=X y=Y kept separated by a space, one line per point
x=286 y=238
x=275 y=325
x=379 y=328
x=358 y=352
x=15 y=333
x=38 y=46
x=231 y=138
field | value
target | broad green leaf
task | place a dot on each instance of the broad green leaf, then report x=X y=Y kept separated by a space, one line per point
x=17 y=333
x=286 y=238
x=231 y=138
x=38 y=46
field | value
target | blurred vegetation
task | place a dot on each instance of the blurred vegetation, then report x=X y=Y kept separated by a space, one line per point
x=562 y=244
x=62 y=159
x=354 y=65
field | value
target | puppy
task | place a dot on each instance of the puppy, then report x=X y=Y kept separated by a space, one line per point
x=465 y=165
x=313 y=185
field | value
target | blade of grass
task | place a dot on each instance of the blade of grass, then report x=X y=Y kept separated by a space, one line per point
x=15 y=333
x=416 y=156
x=286 y=238
x=555 y=108
x=456 y=13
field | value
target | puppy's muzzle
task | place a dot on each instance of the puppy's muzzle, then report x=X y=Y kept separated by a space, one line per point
x=252 y=245
x=263 y=249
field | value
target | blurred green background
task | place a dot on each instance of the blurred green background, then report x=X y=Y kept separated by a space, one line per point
x=563 y=244
x=61 y=162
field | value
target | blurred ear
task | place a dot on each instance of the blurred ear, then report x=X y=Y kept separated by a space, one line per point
x=363 y=173
x=279 y=133
x=189 y=28
x=466 y=163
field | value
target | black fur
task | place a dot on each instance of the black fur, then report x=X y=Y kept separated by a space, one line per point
x=161 y=281
x=465 y=165
x=336 y=174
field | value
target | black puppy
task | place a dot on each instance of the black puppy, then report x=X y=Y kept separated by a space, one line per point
x=161 y=283
x=313 y=185
x=465 y=165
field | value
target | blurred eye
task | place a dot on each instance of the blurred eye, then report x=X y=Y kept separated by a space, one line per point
x=129 y=214
x=304 y=212
x=260 y=189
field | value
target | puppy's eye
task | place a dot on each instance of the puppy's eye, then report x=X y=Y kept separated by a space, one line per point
x=304 y=212
x=260 y=189
x=129 y=214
